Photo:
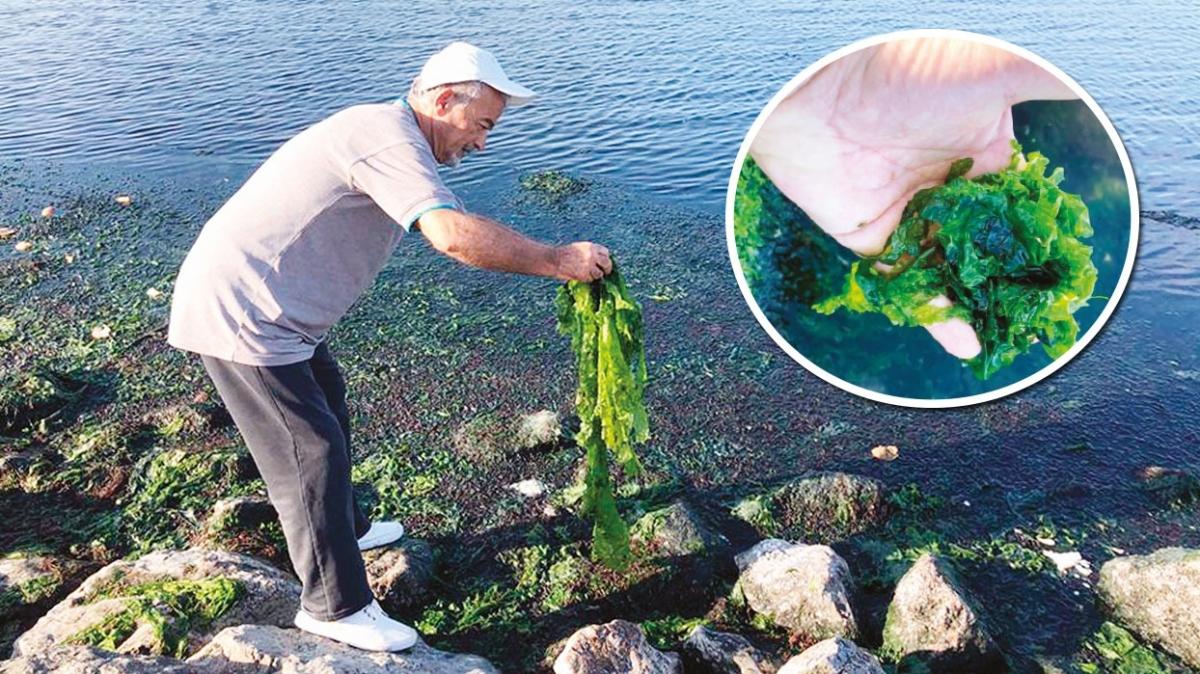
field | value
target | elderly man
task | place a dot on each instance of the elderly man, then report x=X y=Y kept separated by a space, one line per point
x=285 y=258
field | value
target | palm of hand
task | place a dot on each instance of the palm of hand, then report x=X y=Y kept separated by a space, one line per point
x=854 y=151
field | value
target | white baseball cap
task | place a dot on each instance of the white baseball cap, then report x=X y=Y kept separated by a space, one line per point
x=462 y=62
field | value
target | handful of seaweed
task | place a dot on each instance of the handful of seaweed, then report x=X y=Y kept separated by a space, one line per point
x=605 y=326
x=1004 y=247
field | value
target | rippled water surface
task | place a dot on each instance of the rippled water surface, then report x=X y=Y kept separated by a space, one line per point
x=653 y=94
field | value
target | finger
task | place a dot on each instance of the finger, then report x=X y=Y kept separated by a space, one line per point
x=954 y=335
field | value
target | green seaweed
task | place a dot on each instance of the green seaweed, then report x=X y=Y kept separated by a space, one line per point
x=173 y=608
x=1003 y=247
x=1117 y=651
x=552 y=186
x=604 y=323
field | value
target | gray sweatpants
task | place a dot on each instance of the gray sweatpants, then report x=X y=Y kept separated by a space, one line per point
x=294 y=421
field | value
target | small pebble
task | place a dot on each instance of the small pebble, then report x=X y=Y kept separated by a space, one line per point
x=529 y=488
x=967 y=503
x=124 y=199
x=6 y=232
x=153 y=293
x=101 y=332
x=48 y=212
x=885 y=452
x=23 y=246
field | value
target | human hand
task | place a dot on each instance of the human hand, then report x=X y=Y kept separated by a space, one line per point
x=581 y=261
x=854 y=143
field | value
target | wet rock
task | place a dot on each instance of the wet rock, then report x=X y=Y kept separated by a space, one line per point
x=263 y=648
x=1170 y=486
x=833 y=656
x=28 y=397
x=492 y=437
x=676 y=531
x=711 y=652
x=15 y=461
x=618 y=647
x=247 y=525
x=819 y=507
x=933 y=620
x=267 y=596
x=88 y=660
x=241 y=512
x=400 y=573
x=804 y=588
x=1156 y=596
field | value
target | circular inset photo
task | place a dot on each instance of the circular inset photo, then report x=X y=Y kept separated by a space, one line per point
x=932 y=218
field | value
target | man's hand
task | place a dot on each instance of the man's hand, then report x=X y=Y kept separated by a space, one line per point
x=487 y=244
x=582 y=261
x=854 y=143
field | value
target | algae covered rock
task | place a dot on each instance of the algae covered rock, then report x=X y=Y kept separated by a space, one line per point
x=933 y=619
x=676 y=530
x=804 y=588
x=399 y=574
x=618 y=647
x=248 y=525
x=30 y=396
x=166 y=602
x=833 y=656
x=266 y=648
x=89 y=660
x=1170 y=486
x=711 y=652
x=491 y=437
x=1157 y=596
x=819 y=507
x=28 y=587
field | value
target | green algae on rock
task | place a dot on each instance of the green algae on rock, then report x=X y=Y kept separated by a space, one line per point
x=605 y=325
x=552 y=186
x=171 y=608
x=1003 y=247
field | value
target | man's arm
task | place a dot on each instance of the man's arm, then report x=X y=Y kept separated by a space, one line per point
x=487 y=244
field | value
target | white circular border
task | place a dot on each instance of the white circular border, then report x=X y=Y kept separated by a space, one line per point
x=928 y=403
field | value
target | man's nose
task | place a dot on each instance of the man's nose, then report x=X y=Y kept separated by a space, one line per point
x=481 y=143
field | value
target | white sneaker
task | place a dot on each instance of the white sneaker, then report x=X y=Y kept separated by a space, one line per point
x=381 y=533
x=370 y=629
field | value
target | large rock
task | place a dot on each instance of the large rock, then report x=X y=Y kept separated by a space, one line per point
x=833 y=656
x=932 y=619
x=399 y=574
x=29 y=586
x=618 y=647
x=491 y=437
x=820 y=507
x=268 y=596
x=711 y=652
x=265 y=648
x=676 y=531
x=805 y=588
x=1158 y=597
x=88 y=660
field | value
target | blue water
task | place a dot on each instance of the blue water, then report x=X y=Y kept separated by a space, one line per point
x=657 y=95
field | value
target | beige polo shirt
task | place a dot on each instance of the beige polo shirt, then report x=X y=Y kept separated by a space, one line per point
x=307 y=233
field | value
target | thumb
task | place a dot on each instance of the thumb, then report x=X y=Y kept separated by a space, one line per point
x=955 y=335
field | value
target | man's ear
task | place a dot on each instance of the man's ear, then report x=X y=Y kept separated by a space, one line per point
x=443 y=101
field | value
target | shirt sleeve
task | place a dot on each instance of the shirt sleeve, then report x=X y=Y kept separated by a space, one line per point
x=403 y=180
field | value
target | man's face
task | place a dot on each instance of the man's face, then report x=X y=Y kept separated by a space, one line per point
x=462 y=128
